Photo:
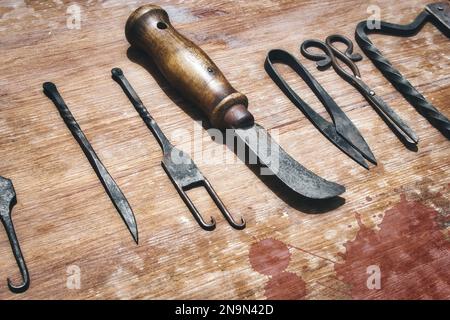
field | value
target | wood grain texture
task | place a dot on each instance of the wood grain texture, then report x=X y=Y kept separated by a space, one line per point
x=395 y=215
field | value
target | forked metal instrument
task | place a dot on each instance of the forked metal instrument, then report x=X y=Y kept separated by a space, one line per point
x=331 y=56
x=178 y=165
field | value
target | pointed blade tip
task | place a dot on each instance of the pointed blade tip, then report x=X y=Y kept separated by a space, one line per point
x=340 y=189
x=134 y=231
x=135 y=235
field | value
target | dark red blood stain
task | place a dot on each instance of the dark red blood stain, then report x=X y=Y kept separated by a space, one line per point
x=269 y=256
x=410 y=250
x=285 y=286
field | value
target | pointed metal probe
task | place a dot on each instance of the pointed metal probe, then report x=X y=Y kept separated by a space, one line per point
x=111 y=187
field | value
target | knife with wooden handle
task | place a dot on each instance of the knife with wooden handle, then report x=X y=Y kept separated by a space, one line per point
x=195 y=76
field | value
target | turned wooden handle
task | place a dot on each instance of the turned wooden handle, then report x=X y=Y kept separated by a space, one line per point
x=187 y=68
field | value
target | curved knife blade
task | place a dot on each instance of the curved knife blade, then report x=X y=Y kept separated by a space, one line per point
x=286 y=168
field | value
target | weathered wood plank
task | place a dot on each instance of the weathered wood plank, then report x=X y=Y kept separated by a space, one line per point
x=395 y=215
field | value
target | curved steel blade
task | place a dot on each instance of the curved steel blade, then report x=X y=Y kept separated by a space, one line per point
x=287 y=169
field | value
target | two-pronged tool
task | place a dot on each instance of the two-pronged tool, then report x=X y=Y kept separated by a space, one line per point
x=189 y=70
x=330 y=57
x=111 y=187
x=7 y=202
x=178 y=165
x=341 y=132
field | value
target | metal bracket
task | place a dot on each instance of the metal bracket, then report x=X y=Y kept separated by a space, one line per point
x=441 y=13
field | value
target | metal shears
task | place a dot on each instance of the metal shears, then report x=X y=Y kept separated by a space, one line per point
x=331 y=56
x=341 y=132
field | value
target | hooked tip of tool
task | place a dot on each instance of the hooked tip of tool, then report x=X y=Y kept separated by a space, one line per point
x=209 y=226
x=20 y=288
x=241 y=225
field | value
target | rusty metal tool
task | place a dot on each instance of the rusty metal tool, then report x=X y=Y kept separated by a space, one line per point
x=341 y=132
x=189 y=70
x=437 y=14
x=331 y=57
x=178 y=165
x=7 y=201
x=111 y=187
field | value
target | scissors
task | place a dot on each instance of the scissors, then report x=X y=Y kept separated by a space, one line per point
x=341 y=132
x=331 y=56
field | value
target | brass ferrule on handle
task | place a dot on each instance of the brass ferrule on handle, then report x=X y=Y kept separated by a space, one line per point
x=187 y=68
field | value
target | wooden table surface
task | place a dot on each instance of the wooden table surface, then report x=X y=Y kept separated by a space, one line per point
x=395 y=219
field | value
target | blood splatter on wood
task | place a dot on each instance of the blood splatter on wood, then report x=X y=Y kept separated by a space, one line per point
x=410 y=251
x=271 y=257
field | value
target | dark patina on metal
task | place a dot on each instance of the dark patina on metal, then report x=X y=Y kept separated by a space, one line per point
x=7 y=202
x=436 y=13
x=341 y=132
x=331 y=56
x=111 y=187
x=182 y=171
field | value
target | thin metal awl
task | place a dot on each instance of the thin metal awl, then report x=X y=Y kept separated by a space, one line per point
x=180 y=168
x=7 y=202
x=112 y=189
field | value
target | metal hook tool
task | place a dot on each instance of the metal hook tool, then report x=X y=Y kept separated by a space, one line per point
x=7 y=202
x=331 y=57
x=178 y=165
